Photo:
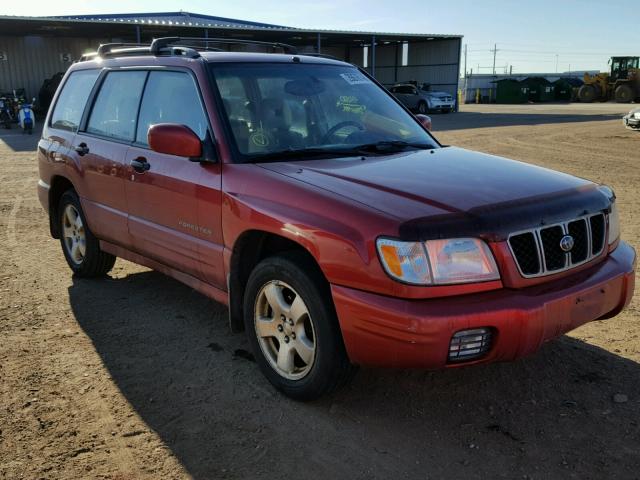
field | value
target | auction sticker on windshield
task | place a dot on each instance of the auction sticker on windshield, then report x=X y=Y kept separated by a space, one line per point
x=354 y=78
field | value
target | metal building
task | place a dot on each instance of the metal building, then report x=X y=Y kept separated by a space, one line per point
x=35 y=48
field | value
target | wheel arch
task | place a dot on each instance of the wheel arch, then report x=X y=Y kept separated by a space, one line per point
x=249 y=249
x=59 y=184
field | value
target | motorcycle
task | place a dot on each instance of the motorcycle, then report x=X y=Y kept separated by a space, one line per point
x=6 y=116
x=26 y=118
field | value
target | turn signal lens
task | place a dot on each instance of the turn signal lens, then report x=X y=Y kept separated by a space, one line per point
x=404 y=261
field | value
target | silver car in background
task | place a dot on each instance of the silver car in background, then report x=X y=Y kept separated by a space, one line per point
x=422 y=99
x=632 y=119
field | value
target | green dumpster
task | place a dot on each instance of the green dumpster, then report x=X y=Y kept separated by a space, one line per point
x=540 y=89
x=509 y=90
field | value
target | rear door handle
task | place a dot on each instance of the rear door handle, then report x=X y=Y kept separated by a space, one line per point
x=140 y=164
x=82 y=149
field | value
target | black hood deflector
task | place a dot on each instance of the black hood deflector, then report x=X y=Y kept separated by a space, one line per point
x=495 y=222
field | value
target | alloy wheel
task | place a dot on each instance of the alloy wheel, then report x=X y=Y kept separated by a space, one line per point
x=285 y=330
x=74 y=235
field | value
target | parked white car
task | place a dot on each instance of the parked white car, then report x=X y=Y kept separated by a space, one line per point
x=422 y=99
x=632 y=119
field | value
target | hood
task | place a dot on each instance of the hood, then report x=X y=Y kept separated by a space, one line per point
x=437 y=94
x=426 y=189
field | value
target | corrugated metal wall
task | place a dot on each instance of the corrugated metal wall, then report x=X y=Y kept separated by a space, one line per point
x=436 y=62
x=32 y=59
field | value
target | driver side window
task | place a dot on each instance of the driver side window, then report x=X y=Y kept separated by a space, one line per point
x=171 y=97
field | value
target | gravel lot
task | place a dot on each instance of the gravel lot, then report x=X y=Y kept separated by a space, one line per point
x=136 y=376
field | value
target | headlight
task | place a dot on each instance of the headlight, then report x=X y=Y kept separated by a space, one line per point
x=404 y=261
x=614 y=223
x=440 y=262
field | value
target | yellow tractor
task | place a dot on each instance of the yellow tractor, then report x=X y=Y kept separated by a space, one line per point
x=622 y=84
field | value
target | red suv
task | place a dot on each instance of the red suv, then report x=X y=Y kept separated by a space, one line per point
x=339 y=232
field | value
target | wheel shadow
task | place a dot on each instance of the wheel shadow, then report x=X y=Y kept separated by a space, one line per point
x=169 y=351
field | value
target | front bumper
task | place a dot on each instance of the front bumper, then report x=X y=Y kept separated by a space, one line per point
x=435 y=105
x=631 y=122
x=393 y=332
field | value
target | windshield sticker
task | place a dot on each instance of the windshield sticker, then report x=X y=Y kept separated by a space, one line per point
x=354 y=78
x=259 y=139
x=349 y=104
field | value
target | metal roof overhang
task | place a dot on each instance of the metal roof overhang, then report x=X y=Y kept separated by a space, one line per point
x=125 y=29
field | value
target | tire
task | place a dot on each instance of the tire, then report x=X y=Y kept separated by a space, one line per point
x=298 y=345
x=80 y=247
x=423 y=107
x=624 y=94
x=587 y=93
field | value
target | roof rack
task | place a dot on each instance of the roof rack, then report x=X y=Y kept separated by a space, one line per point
x=174 y=46
x=163 y=42
x=321 y=55
x=106 y=48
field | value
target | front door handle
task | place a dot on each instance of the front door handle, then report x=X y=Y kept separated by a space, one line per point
x=82 y=149
x=140 y=164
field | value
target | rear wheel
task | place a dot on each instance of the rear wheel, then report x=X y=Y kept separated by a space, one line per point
x=587 y=93
x=293 y=329
x=80 y=247
x=624 y=94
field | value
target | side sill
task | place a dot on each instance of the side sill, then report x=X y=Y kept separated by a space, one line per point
x=206 y=289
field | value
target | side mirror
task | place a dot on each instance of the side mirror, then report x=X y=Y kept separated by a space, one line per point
x=424 y=120
x=174 y=139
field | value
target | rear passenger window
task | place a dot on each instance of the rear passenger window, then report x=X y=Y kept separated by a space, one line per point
x=71 y=102
x=171 y=97
x=116 y=107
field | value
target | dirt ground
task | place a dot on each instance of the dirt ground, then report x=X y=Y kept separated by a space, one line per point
x=137 y=376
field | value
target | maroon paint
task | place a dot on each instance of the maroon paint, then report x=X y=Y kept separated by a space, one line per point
x=184 y=218
x=174 y=139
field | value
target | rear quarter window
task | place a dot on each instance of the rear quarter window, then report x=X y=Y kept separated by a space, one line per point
x=72 y=100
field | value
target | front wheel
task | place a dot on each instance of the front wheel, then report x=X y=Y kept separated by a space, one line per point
x=624 y=94
x=587 y=93
x=293 y=328
x=80 y=247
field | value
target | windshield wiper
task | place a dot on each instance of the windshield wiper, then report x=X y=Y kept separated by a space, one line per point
x=392 y=146
x=382 y=147
x=304 y=153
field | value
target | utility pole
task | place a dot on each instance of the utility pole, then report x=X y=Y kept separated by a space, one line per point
x=556 y=63
x=465 y=71
x=495 y=50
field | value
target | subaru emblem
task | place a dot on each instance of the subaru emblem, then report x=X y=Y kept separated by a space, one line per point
x=566 y=243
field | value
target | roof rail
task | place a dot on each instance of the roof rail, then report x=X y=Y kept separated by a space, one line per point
x=321 y=55
x=105 y=48
x=163 y=42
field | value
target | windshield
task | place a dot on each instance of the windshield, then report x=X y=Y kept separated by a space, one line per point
x=274 y=108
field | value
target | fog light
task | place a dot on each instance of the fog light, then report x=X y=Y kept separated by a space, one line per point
x=469 y=344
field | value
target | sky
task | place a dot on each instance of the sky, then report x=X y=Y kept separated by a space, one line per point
x=535 y=36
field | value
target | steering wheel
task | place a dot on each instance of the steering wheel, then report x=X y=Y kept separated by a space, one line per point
x=339 y=126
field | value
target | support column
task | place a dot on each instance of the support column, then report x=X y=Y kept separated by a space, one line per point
x=319 y=47
x=373 y=56
x=137 y=33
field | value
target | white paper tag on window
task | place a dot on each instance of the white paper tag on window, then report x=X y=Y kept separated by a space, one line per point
x=354 y=78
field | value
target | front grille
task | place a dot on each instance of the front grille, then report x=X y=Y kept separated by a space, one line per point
x=538 y=252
